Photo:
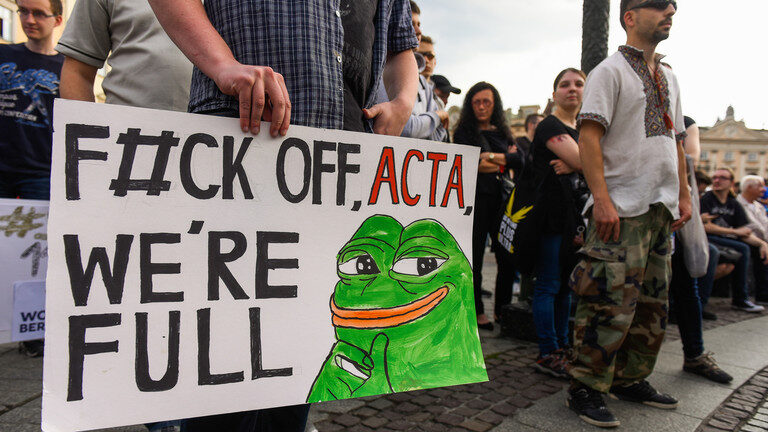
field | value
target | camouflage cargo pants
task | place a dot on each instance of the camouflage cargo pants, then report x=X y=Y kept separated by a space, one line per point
x=622 y=301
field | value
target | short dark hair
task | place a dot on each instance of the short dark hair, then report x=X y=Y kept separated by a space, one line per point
x=56 y=7
x=415 y=8
x=623 y=8
x=565 y=71
x=530 y=118
x=426 y=39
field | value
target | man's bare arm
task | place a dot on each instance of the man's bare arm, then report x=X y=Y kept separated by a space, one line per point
x=260 y=91
x=401 y=79
x=603 y=212
x=77 y=80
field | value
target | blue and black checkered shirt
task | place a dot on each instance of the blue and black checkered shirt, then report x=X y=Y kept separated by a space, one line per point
x=303 y=40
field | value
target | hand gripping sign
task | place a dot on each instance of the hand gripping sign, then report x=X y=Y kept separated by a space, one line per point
x=195 y=270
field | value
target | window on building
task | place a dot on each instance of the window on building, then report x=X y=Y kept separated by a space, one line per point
x=728 y=156
x=704 y=155
x=752 y=157
x=6 y=24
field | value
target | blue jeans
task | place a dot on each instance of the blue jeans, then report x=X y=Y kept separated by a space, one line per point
x=551 y=299
x=686 y=305
x=706 y=282
x=739 y=284
x=24 y=186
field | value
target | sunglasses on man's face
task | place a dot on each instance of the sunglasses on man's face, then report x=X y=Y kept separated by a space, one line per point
x=656 y=4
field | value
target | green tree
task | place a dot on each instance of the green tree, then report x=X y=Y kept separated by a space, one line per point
x=594 y=42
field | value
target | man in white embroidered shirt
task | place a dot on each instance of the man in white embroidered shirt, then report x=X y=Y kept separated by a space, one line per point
x=631 y=128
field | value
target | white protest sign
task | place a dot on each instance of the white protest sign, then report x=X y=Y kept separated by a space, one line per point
x=28 y=310
x=196 y=270
x=23 y=251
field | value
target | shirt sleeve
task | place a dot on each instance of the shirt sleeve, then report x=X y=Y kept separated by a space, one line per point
x=678 y=119
x=739 y=216
x=705 y=204
x=86 y=37
x=400 y=33
x=600 y=95
x=548 y=129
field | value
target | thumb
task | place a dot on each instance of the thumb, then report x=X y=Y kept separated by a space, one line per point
x=372 y=112
x=379 y=352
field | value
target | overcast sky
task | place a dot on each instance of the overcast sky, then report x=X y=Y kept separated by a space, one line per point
x=717 y=49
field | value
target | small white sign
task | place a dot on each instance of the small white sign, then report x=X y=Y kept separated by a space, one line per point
x=28 y=311
x=23 y=251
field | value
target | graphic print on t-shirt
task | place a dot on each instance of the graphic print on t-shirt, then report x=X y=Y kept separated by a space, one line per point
x=21 y=94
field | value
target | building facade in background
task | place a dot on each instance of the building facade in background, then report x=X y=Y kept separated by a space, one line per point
x=730 y=143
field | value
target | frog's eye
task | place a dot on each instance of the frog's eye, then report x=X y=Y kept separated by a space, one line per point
x=359 y=265
x=418 y=266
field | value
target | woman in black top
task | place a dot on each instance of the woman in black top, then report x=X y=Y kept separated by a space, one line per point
x=555 y=165
x=483 y=124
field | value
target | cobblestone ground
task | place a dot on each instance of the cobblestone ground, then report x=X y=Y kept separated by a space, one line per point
x=513 y=385
x=745 y=410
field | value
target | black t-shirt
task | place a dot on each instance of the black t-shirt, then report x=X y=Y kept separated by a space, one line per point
x=524 y=143
x=553 y=186
x=357 y=19
x=28 y=84
x=688 y=121
x=730 y=215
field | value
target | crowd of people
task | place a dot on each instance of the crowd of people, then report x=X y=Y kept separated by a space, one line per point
x=607 y=166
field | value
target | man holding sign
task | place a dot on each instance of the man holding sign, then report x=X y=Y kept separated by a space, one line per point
x=307 y=62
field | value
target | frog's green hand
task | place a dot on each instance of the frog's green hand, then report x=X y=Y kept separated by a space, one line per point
x=378 y=383
x=345 y=369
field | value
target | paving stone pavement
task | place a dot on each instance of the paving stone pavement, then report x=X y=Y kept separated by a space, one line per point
x=513 y=388
x=745 y=410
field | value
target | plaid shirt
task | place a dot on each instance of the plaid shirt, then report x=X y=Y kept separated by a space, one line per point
x=303 y=40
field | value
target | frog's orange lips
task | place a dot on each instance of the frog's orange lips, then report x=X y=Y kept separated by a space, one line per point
x=387 y=317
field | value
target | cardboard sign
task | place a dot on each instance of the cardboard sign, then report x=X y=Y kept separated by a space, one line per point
x=28 y=310
x=23 y=252
x=196 y=270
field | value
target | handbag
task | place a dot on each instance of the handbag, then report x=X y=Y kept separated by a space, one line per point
x=518 y=233
x=692 y=234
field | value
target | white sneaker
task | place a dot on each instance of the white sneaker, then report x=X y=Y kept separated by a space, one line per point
x=748 y=306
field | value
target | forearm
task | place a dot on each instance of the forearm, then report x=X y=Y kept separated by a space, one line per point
x=401 y=79
x=188 y=26
x=591 y=157
x=486 y=167
x=77 y=80
x=713 y=229
x=752 y=240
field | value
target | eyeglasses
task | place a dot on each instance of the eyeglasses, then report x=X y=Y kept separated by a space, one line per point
x=656 y=4
x=482 y=102
x=429 y=55
x=37 y=14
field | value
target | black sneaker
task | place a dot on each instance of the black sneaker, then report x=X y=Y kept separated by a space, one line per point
x=588 y=403
x=707 y=315
x=643 y=392
x=705 y=366
x=32 y=348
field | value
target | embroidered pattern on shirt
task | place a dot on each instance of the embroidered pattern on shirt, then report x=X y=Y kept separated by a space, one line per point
x=594 y=117
x=654 y=110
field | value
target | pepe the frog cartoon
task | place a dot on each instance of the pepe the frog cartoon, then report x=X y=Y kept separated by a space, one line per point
x=403 y=313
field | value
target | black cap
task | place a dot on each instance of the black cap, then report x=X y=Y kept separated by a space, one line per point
x=443 y=84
